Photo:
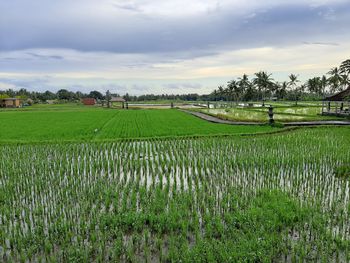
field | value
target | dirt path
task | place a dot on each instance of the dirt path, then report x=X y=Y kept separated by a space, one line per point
x=300 y=123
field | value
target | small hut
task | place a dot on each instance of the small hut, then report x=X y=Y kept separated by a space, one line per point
x=117 y=102
x=10 y=103
x=337 y=104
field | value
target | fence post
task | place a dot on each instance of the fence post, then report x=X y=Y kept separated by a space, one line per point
x=271 y=120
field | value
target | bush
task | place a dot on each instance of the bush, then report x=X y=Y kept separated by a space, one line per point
x=277 y=125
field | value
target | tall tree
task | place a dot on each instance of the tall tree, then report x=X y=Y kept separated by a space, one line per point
x=314 y=85
x=335 y=80
x=345 y=67
x=96 y=95
x=215 y=94
x=264 y=83
x=323 y=86
x=221 y=92
x=293 y=84
x=244 y=85
x=64 y=94
x=281 y=89
x=234 y=90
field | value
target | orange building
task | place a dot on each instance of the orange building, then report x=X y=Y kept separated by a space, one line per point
x=10 y=103
x=88 y=101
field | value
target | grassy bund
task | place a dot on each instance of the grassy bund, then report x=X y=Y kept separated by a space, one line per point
x=271 y=198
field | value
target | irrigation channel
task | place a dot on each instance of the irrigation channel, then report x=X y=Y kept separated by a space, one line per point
x=178 y=199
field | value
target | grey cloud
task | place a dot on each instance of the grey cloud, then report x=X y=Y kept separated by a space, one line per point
x=127 y=6
x=44 y=56
x=141 y=87
x=321 y=43
x=175 y=86
x=199 y=34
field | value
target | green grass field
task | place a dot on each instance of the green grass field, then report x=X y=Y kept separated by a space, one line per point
x=74 y=122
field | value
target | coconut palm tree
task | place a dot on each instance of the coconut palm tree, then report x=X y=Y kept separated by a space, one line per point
x=345 y=67
x=293 y=80
x=281 y=89
x=221 y=92
x=264 y=83
x=335 y=80
x=323 y=85
x=231 y=89
x=345 y=81
x=314 y=85
x=244 y=84
x=215 y=94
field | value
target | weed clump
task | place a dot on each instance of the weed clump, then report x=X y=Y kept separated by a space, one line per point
x=342 y=171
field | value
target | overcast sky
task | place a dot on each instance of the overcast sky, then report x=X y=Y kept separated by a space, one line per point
x=166 y=46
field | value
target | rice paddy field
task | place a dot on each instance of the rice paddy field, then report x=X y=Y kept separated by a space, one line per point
x=260 y=114
x=282 y=197
x=65 y=123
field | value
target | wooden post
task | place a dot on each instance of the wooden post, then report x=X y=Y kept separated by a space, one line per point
x=271 y=120
x=322 y=107
x=172 y=105
x=122 y=104
x=108 y=97
x=208 y=105
x=127 y=106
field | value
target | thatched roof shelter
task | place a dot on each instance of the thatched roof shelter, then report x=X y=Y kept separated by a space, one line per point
x=117 y=99
x=340 y=96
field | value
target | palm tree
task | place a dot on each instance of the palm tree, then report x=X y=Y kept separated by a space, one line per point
x=244 y=84
x=345 y=67
x=335 y=80
x=281 y=89
x=344 y=81
x=231 y=88
x=215 y=94
x=293 y=80
x=264 y=82
x=314 y=85
x=221 y=91
x=323 y=85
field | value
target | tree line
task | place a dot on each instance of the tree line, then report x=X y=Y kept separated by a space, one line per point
x=261 y=86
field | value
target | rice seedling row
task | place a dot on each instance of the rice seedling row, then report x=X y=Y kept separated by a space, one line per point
x=266 y=198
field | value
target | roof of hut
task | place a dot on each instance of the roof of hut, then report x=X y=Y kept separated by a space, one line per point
x=117 y=99
x=340 y=96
